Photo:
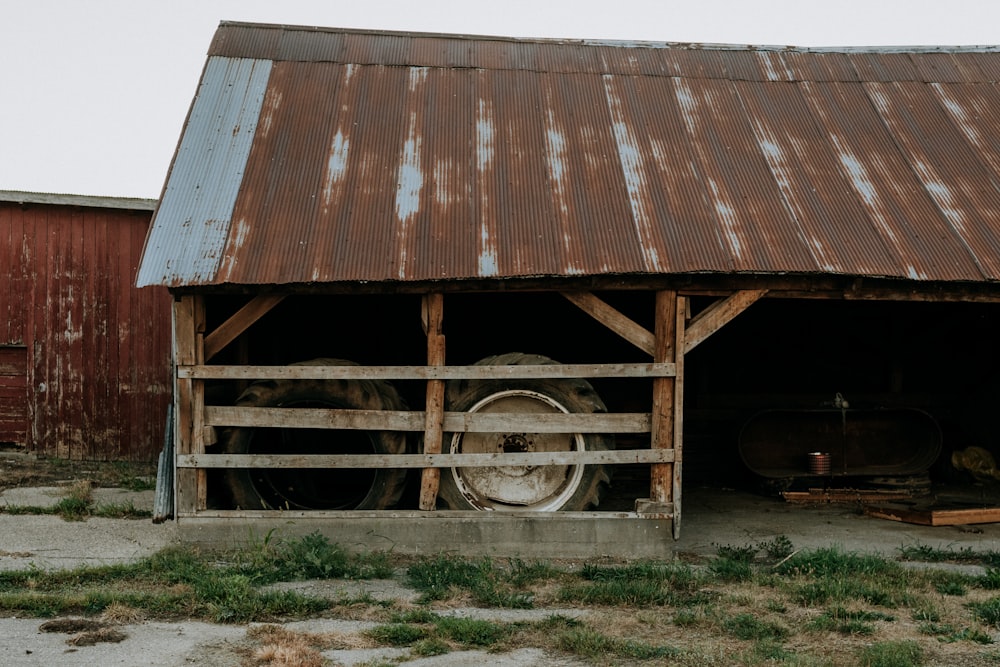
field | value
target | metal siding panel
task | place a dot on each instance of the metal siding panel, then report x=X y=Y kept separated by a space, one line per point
x=502 y=158
x=192 y=221
x=413 y=178
x=819 y=66
x=987 y=64
x=884 y=66
x=384 y=49
x=646 y=126
x=245 y=41
x=940 y=67
x=438 y=244
x=692 y=235
x=588 y=204
x=309 y=46
x=973 y=110
x=881 y=179
x=751 y=219
x=283 y=177
x=525 y=241
x=447 y=53
x=754 y=65
x=954 y=179
x=803 y=165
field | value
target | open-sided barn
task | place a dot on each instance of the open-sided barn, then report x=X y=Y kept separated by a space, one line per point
x=758 y=251
x=84 y=354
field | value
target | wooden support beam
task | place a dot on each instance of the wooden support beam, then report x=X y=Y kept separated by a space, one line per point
x=680 y=333
x=614 y=320
x=661 y=475
x=229 y=330
x=718 y=315
x=433 y=319
x=198 y=402
x=186 y=481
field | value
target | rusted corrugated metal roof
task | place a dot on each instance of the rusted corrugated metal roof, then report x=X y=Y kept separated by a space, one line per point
x=320 y=155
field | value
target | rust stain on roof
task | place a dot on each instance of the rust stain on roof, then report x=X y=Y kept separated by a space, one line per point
x=323 y=155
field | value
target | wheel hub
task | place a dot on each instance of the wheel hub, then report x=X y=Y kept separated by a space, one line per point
x=510 y=487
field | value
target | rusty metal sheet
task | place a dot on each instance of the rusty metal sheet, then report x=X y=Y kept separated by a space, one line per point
x=869 y=161
x=366 y=156
x=954 y=179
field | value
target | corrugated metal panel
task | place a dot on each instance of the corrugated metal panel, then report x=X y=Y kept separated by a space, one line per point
x=393 y=157
x=94 y=351
x=194 y=216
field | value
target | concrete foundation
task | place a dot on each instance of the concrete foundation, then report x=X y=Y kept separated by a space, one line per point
x=583 y=535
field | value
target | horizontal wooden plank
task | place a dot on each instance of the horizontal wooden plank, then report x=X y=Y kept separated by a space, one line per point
x=454 y=422
x=935 y=516
x=505 y=372
x=438 y=514
x=512 y=459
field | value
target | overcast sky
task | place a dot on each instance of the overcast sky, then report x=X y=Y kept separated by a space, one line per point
x=94 y=92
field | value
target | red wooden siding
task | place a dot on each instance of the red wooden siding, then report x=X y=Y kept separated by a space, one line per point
x=13 y=394
x=96 y=349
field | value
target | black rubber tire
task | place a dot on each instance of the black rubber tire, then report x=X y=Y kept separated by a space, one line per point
x=315 y=488
x=580 y=487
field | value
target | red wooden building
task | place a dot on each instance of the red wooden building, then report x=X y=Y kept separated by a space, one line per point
x=84 y=354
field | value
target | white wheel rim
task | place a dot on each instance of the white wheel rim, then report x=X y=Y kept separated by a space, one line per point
x=536 y=488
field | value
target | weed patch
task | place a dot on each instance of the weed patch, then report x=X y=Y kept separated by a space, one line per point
x=987 y=611
x=750 y=627
x=892 y=654
x=439 y=577
x=592 y=644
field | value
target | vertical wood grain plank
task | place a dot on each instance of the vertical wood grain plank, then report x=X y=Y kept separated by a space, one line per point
x=679 y=347
x=186 y=479
x=662 y=437
x=433 y=313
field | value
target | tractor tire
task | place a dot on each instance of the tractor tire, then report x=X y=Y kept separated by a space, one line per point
x=536 y=488
x=315 y=488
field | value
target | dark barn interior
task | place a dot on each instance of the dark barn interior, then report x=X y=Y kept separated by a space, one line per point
x=918 y=378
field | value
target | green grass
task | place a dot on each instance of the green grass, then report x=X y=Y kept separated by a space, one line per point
x=832 y=561
x=892 y=654
x=592 y=644
x=398 y=634
x=948 y=634
x=928 y=554
x=751 y=627
x=640 y=584
x=473 y=632
x=987 y=611
x=77 y=504
x=640 y=612
x=180 y=582
x=731 y=569
x=440 y=576
x=849 y=622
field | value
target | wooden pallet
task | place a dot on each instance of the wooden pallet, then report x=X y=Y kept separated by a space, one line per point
x=934 y=516
x=846 y=495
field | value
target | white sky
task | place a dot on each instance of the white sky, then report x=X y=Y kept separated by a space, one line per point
x=93 y=93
